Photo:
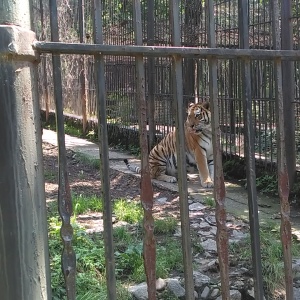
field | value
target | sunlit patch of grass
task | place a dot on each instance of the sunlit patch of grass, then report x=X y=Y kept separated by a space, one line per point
x=83 y=204
x=129 y=211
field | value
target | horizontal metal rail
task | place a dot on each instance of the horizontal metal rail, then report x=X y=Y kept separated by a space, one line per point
x=129 y=50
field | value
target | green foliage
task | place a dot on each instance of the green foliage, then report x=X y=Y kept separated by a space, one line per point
x=129 y=211
x=210 y=202
x=122 y=108
x=268 y=184
x=132 y=149
x=165 y=226
x=72 y=130
x=271 y=254
x=92 y=162
x=90 y=252
x=83 y=204
x=50 y=175
x=90 y=260
x=168 y=295
x=168 y=257
x=130 y=260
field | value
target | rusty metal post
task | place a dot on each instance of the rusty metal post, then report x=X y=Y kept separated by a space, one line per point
x=288 y=89
x=219 y=185
x=146 y=185
x=282 y=169
x=250 y=153
x=180 y=148
x=24 y=257
x=104 y=156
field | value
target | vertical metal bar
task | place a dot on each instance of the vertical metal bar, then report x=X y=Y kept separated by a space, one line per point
x=288 y=88
x=24 y=255
x=250 y=152
x=82 y=76
x=146 y=185
x=104 y=155
x=283 y=177
x=151 y=73
x=44 y=63
x=64 y=194
x=232 y=105
x=219 y=185
x=180 y=148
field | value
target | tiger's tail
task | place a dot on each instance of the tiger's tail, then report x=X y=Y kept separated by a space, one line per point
x=132 y=168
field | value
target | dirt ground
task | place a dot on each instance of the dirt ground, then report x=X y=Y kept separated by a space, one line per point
x=85 y=180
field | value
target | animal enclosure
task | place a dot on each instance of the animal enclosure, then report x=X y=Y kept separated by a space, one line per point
x=226 y=52
x=75 y=23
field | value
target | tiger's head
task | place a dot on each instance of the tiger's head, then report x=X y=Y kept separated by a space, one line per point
x=198 y=118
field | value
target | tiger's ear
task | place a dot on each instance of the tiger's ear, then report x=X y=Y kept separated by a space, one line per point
x=190 y=105
x=206 y=105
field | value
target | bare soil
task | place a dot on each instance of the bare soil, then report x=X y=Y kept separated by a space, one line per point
x=85 y=180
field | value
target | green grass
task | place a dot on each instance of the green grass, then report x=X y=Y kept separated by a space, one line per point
x=50 y=175
x=90 y=264
x=71 y=130
x=268 y=184
x=210 y=202
x=129 y=211
x=165 y=226
x=128 y=239
x=93 y=162
x=83 y=204
x=271 y=254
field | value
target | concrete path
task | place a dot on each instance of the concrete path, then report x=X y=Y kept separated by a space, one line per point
x=236 y=196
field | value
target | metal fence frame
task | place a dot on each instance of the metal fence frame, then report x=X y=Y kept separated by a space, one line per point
x=177 y=53
x=120 y=72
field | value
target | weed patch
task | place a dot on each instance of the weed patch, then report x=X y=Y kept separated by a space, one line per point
x=82 y=204
x=128 y=211
x=92 y=162
x=271 y=256
x=90 y=253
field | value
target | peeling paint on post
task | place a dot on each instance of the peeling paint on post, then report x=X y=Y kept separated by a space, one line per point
x=24 y=257
x=283 y=174
x=149 y=251
x=219 y=188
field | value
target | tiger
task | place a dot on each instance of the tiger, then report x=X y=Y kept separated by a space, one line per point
x=199 y=149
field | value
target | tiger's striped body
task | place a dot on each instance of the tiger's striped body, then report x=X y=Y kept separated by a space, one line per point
x=198 y=147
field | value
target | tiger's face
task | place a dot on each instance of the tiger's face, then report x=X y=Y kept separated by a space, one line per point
x=198 y=118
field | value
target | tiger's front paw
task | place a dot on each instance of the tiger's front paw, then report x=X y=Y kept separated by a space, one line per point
x=207 y=184
x=172 y=179
x=167 y=178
